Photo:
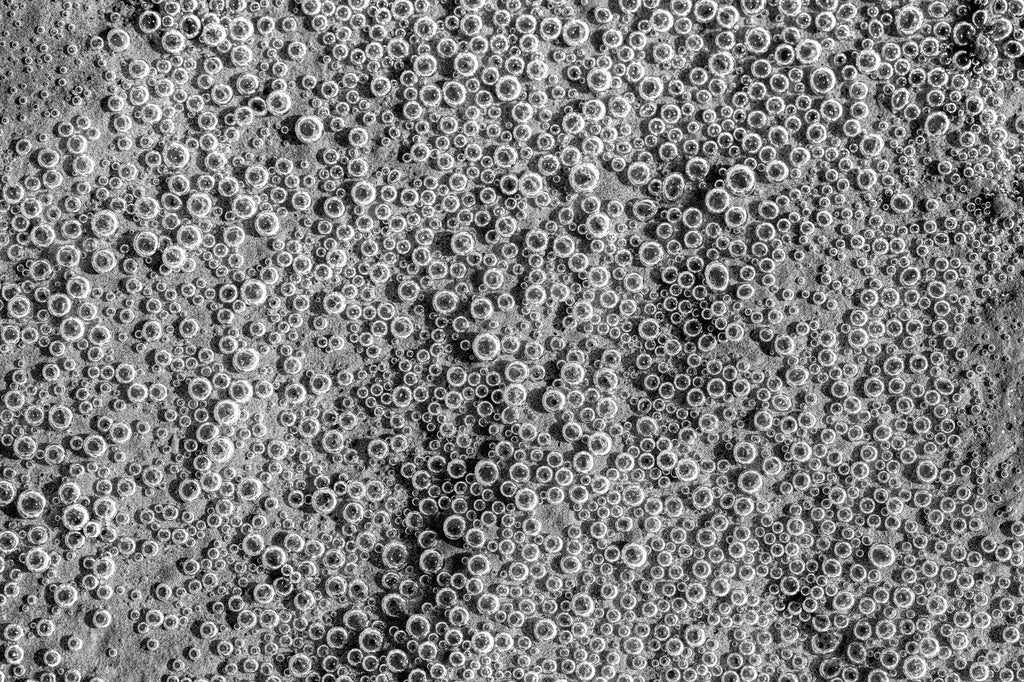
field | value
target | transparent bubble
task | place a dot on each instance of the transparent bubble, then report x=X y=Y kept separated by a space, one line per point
x=309 y=129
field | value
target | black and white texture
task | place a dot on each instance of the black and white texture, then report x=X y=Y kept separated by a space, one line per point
x=528 y=340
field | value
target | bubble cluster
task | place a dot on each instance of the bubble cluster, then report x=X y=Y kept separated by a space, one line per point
x=530 y=340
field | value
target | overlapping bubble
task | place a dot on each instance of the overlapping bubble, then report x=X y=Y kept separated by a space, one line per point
x=532 y=340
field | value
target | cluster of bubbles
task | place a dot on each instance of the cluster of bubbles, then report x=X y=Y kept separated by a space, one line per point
x=532 y=340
